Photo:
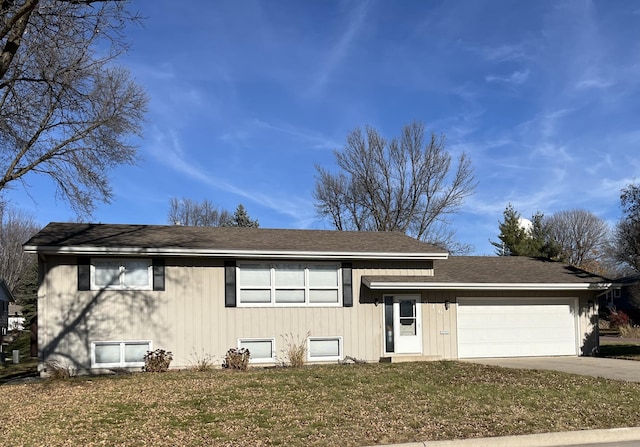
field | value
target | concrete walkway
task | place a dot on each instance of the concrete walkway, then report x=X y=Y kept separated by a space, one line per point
x=627 y=370
x=569 y=438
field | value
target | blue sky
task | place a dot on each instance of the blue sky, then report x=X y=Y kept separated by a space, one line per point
x=246 y=97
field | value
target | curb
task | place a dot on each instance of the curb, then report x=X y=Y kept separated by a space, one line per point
x=538 y=440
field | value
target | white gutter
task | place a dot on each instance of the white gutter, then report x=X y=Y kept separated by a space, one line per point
x=212 y=253
x=422 y=285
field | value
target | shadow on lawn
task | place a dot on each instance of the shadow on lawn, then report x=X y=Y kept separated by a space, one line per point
x=628 y=351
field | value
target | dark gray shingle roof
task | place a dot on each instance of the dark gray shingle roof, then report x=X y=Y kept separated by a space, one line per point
x=81 y=237
x=499 y=269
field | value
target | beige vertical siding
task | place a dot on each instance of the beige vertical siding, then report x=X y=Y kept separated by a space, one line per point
x=189 y=318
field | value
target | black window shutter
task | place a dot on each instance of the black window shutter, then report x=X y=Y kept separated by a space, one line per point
x=84 y=273
x=229 y=284
x=158 y=274
x=347 y=288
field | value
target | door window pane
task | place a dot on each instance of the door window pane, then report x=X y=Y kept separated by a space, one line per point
x=407 y=326
x=407 y=308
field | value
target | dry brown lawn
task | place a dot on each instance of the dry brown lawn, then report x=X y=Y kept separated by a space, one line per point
x=333 y=405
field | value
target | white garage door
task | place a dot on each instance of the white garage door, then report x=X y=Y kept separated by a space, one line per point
x=500 y=328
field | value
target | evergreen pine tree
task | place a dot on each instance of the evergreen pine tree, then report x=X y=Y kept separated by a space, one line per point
x=241 y=219
x=513 y=237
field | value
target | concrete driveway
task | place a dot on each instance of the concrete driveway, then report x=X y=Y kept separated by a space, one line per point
x=627 y=370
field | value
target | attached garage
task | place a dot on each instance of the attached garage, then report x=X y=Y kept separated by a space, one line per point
x=502 y=306
x=517 y=327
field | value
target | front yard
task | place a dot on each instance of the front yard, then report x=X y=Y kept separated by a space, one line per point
x=333 y=405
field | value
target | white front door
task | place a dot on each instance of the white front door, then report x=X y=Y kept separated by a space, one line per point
x=407 y=324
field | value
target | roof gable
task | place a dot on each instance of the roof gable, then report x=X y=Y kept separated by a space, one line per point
x=176 y=240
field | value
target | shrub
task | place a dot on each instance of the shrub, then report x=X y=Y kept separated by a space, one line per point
x=629 y=331
x=618 y=318
x=58 y=371
x=202 y=363
x=157 y=361
x=295 y=351
x=237 y=358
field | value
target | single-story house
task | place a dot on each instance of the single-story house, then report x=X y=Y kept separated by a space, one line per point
x=110 y=293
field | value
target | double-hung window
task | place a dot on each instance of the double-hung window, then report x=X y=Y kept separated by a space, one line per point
x=121 y=274
x=289 y=284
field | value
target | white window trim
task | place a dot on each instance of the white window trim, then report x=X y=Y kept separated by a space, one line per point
x=121 y=363
x=271 y=359
x=122 y=286
x=272 y=289
x=325 y=358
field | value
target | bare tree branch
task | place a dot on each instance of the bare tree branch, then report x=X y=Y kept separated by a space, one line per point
x=16 y=228
x=403 y=185
x=199 y=214
x=580 y=235
x=66 y=111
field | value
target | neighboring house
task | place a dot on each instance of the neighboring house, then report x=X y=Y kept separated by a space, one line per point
x=5 y=298
x=16 y=319
x=625 y=296
x=109 y=293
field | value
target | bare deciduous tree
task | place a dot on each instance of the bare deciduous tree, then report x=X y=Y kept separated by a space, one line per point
x=581 y=237
x=199 y=214
x=66 y=111
x=627 y=231
x=16 y=228
x=406 y=184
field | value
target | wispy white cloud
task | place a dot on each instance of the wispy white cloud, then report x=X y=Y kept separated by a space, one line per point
x=517 y=77
x=503 y=53
x=555 y=153
x=315 y=139
x=167 y=149
x=543 y=126
x=340 y=50
x=594 y=82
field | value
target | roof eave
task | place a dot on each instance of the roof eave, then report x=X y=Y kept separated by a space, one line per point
x=261 y=254
x=413 y=285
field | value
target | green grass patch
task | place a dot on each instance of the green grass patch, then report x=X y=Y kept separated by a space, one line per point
x=333 y=405
x=9 y=370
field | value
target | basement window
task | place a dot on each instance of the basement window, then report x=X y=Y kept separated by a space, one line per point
x=119 y=354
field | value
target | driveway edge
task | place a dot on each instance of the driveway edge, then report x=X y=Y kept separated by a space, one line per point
x=538 y=440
